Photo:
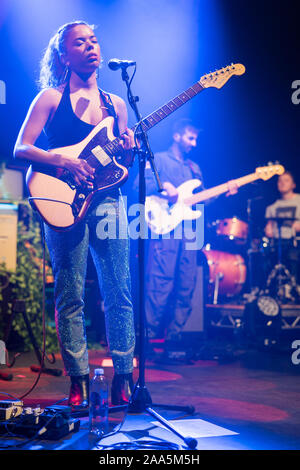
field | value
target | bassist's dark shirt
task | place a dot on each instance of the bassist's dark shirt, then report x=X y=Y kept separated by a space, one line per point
x=171 y=170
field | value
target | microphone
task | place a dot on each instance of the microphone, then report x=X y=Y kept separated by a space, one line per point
x=115 y=64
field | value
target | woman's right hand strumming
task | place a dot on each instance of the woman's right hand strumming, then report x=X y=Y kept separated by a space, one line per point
x=81 y=171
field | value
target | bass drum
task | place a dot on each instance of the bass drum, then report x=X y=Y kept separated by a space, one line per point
x=229 y=268
x=232 y=229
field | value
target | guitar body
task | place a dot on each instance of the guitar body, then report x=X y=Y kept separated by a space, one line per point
x=52 y=191
x=163 y=218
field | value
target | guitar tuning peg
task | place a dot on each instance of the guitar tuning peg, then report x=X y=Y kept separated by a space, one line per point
x=270 y=163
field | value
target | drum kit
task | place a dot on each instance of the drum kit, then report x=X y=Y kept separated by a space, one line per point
x=233 y=256
x=226 y=265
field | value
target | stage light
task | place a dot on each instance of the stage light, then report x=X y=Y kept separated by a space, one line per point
x=262 y=320
x=268 y=306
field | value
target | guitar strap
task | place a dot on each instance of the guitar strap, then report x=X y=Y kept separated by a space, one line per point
x=111 y=110
x=196 y=172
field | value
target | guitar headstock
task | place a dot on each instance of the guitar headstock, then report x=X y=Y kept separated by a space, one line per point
x=266 y=172
x=218 y=78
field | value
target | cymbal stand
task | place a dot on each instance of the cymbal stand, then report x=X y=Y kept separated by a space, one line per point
x=219 y=277
x=280 y=271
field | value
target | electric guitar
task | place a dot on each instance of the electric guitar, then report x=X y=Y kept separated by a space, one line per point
x=53 y=192
x=162 y=218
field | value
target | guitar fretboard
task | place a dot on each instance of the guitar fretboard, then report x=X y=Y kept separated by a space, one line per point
x=220 y=189
x=157 y=116
x=168 y=108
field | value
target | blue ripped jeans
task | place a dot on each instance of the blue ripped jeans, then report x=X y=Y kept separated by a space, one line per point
x=68 y=252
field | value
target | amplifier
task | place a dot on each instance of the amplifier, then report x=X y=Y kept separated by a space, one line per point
x=11 y=185
x=8 y=235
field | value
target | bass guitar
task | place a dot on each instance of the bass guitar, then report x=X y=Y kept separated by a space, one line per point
x=162 y=217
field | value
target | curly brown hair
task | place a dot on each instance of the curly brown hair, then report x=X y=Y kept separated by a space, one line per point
x=53 y=71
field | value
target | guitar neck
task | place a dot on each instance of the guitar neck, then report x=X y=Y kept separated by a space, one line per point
x=168 y=108
x=157 y=116
x=214 y=79
x=220 y=189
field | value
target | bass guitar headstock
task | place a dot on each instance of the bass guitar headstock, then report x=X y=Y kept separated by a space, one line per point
x=266 y=172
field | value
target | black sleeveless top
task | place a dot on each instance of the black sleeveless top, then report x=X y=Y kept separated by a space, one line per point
x=68 y=129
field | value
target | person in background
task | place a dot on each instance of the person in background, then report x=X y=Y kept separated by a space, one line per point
x=287 y=207
x=172 y=269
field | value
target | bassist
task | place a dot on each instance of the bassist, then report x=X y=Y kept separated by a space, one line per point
x=172 y=269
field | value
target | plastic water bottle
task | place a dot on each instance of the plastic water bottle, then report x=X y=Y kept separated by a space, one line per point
x=98 y=412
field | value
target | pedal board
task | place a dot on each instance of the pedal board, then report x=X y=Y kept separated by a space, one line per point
x=52 y=423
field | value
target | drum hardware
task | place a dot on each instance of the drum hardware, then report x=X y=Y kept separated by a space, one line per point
x=232 y=229
x=250 y=239
x=219 y=277
x=285 y=282
x=285 y=285
x=227 y=272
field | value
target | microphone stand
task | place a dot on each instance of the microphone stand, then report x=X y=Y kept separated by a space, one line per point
x=250 y=251
x=140 y=400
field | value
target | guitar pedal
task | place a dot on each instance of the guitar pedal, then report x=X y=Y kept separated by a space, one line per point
x=10 y=409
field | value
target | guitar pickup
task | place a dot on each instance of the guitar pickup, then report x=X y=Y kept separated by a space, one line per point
x=101 y=156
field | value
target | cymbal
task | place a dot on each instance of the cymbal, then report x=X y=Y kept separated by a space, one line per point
x=282 y=219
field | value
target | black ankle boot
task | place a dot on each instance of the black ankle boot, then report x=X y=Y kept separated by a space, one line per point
x=121 y=389
x=79 y=391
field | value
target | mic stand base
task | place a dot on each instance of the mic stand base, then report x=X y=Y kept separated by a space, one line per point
x=141 y=402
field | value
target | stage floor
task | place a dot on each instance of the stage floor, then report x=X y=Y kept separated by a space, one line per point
x=248 y=401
